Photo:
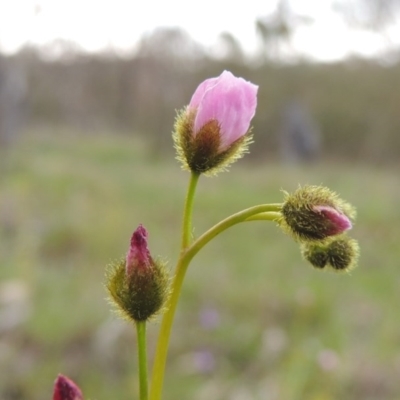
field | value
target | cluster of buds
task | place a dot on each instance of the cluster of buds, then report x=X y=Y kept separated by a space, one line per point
x=340 y=253
x=210 y=133
x=138 y=284
x=318 y=218
x=214 y=130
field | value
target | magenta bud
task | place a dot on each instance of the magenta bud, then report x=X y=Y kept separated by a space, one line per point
x=138 y=285
x=66 y=389
x=138 y=255
x=336 y=222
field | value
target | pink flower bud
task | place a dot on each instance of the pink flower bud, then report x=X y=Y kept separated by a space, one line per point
x=66 y=389
x=336 y=222
x=314 y=213
x=138 y=255
x=138 y=285
x=228 y=100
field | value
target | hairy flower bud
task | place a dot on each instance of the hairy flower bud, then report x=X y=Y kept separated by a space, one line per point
x=315 y=254
x=66 y=389
x=138 y=285
x=343 y=254
x=314 y=213
x=214 y=129
x=340 y=253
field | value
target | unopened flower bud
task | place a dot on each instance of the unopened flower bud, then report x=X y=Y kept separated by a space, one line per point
x=66 y=389
x=138 y=284
x=214 y=129
x=340 y=253
x=343 y=253
x=315 y=254
x=314 y=213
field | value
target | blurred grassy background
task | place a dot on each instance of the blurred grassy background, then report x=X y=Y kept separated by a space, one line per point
x=353 y=103
x=86 y=155
x=254 y=322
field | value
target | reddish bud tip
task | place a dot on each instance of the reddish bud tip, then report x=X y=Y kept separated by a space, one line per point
x=138 y=255
x=66 y=389
x=338 y=222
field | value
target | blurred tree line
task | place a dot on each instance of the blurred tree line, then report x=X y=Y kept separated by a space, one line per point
x=355 y=103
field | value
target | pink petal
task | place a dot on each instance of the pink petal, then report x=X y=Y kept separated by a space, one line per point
x=201 y=89
x=339 y=222
x=231 y=101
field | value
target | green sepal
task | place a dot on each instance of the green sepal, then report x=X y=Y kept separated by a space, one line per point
x=201 y=153
x=140 y=296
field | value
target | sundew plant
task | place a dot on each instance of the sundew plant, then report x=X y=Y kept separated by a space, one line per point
x=210 y=133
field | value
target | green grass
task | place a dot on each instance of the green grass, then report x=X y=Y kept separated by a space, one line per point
x=279 y=329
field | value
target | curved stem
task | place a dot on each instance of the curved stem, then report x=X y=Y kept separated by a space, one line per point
x=266 y=216
x=141 y=341
x=181 y=268
x=269 y=212
x=165 y=331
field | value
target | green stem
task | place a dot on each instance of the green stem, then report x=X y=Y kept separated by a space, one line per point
x=188 y=210
x=266 y=216
x=141 y=341
x=165 y=331
x=269 y=212
x=181 y=268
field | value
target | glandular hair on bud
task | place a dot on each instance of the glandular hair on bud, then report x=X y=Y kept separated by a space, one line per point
x=201 y=153
x=343 y=253
x=315 y=254
x=340 y=253
x=141 y=294
x=315 y=213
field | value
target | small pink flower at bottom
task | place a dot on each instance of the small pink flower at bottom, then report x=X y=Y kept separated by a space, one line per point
x=66 y=389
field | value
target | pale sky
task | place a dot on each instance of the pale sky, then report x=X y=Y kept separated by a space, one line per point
x=98 y=24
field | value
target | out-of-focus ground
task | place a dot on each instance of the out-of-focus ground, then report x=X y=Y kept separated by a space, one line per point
x=254 y=318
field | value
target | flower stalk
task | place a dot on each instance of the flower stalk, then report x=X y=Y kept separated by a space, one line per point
x=142 y=359
x=188 y=210
x=186 y=257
